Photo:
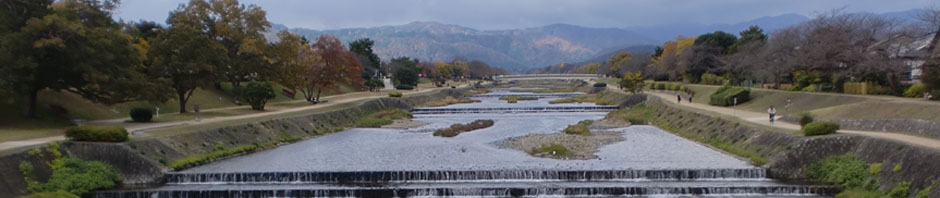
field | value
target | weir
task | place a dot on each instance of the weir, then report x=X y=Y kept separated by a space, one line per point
x=397 y=163
x=541 y=95
x=543 y=109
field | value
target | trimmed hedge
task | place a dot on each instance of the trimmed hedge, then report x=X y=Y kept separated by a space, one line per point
x=725 y=95
x=97 y=133
x=394 y=94
x=600 y=84
x=820 y=128
x=141 y=114
x=404 y=87
x=805 y=118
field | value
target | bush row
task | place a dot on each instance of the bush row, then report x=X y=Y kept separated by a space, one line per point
x=97 y=133
x=456 y=129
x=820 y=128
x=725 y=96
x=669 y=87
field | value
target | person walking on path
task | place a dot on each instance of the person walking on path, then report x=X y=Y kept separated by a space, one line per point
x=690 y=97
x=772 y=112
x=678 y=98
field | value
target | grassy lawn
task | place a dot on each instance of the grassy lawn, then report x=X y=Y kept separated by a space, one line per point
x=55 y=110
x=829 y=105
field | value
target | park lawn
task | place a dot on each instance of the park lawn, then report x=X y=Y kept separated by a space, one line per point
x=832 y=106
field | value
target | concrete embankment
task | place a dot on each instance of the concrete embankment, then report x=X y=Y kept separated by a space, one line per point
x=144 y=160
x=789 y=153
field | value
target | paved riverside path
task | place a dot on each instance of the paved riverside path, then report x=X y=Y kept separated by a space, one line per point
x=332 y=101
x=763 y=119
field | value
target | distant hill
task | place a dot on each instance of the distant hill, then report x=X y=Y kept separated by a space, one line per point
x=665 y=32
x=517 y=49
x=662 y=33
x=538 y=47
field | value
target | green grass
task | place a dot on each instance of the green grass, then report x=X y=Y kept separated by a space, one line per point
x=381 y=118
x=581 y=128
x=547 y=149
x=831 y=106
x=192 y=160
x=514 y=99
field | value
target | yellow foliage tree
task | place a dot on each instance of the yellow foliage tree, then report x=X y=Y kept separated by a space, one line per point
x=617 y=61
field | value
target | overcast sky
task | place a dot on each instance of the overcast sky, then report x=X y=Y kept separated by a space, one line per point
x=510 y=14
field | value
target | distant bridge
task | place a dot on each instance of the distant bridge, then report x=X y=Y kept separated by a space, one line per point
x=547 y=76
x=542 y=95
x=546 y=109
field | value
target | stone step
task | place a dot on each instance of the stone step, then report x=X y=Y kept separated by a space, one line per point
x=483 y=189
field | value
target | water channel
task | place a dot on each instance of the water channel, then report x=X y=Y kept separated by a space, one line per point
x=361 y=162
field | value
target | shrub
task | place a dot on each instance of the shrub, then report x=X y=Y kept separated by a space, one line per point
x=844 y=170
x=581 y=128
x=97 y=133
x=394 y=94
x=660 y=86
x=725 y=95
x=820 y=128
x=141 y=114
x=404 y=87
x=457 y=129
x=923 y=193
x=810 y=88
x=902 y=190
x=915 y=91
x=600 y=84
x=56 y=194
x=79 y=177
x=256 y=94
x=712 y=79
x=637 y=121
x=935 y=95
x=557 y=149
x=805 y=118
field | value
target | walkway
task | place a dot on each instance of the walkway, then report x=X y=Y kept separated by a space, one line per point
x=332 y=101
x=762 y=118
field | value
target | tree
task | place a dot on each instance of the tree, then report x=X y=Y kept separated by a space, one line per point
x=752 y=34
x=291 y=57
x=237 y=27
x=632 y=82
x=931 y=67
x=405 y=70
x=256 y=93
x=718 y=39
x=363 y=48
x=186 y=58
x=444 y=72
x=336 y=65
x=617 y=61
x=72 y=46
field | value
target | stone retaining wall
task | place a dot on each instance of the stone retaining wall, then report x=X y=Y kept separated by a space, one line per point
x=790 y=153
x=141 y=161
x=915 y=127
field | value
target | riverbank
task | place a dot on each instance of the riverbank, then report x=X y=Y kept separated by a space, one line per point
x=144 y=160
x=786 y=154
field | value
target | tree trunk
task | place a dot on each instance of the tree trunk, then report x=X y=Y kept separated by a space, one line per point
x=182 y=100
x=318 y=94
x=31 y=100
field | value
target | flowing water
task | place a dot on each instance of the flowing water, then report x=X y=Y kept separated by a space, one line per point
x=413 y=163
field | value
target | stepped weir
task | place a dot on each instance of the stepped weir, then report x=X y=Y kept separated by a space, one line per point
x=537 y=109
x=398 y=163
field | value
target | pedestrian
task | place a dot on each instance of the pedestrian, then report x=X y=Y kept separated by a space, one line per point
x=690 y=97
x=678 y=98
x=772 y=112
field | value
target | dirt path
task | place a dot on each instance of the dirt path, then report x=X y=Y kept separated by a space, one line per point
x=332 y=101
x=763 y=119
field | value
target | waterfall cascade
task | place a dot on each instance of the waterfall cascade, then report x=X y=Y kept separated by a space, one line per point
x=498 y=183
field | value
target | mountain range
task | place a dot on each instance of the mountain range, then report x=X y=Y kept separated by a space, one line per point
x=536 y=47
